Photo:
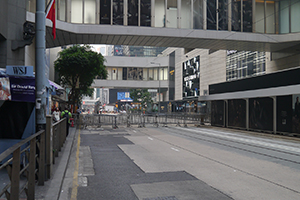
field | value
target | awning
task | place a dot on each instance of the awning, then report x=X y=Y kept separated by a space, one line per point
x=56 y=86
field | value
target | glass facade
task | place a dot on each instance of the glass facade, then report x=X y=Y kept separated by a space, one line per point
x=137 y=51
x=118 y=12
x=242 y=64
x=137 y=73
x=262 y=16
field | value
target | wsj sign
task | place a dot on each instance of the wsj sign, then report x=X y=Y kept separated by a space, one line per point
x=191 y=77
x=19 y=70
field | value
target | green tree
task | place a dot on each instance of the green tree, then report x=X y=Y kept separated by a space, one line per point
x=141 y=96
x=77 y=67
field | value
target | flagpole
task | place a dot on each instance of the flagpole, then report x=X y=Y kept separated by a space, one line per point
x=40 y=78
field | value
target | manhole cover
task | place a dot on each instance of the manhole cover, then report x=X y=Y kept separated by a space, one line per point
x=161 y=198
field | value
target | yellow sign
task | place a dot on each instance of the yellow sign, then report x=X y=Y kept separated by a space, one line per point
x=172 y=72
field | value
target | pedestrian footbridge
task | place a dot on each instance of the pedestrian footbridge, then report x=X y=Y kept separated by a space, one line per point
x=71 y=33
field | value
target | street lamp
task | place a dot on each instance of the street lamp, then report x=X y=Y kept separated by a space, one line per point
x=153 y=63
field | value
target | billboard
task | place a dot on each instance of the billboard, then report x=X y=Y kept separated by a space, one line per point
x=191 y=77
x=15 y=88
x=123 y=96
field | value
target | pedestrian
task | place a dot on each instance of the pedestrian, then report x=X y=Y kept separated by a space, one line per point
x=56 y=115
x=66 y=114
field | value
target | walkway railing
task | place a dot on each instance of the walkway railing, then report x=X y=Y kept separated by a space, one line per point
x=30 y=161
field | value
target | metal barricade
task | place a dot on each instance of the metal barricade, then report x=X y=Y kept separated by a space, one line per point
x=141 y=120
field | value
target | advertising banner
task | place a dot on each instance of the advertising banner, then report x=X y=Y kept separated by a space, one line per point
x=124 y=96
x=15 y=88
x=191 y=77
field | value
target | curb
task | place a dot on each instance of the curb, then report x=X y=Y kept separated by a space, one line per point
x=52 y=188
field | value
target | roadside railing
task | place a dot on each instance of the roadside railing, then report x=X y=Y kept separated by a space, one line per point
x=141 y=120
x=30 y=161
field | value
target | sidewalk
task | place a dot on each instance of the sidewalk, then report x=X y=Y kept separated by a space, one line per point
x=53 y=187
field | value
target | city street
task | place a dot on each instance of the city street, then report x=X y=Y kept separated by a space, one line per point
x=181 y=163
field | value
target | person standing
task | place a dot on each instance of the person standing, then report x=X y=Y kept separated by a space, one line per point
x=56 y=115
x=66 y=114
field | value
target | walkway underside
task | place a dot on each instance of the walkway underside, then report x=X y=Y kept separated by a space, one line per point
x=67 y=33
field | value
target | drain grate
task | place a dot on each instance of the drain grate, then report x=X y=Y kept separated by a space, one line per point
x=162 y=198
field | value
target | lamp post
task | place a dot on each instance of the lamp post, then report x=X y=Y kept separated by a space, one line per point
x=153 y=63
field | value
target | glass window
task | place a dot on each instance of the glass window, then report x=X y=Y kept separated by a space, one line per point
x=145 y=74
x=146 y=13
x=124 y=73
x=259 y=17
x=295 y=16
x=284 y=16
x=165 y=73
x=108 y=74
x=76 y=11
x=171 y=16
x=139 y=74
x=161 y=73
x=160 y=20
x=223 y=15
x=132 y=73
x=61 y=9
x=155 y=74
x=114 y=74
x=118 y=7
x=89 y=11
x=186 y=14
x=247 y=15
x=151 y=76
x=198 y=14
x=236 y=16
x=132 y=12
x=120 y=74
x=105 y=8
x=270 y=17
x=240 y=64
x=211 y=15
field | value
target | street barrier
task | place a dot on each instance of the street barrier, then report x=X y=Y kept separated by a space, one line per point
x=141 y=120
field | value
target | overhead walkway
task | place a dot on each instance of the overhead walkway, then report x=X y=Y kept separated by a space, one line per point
x=68 y=33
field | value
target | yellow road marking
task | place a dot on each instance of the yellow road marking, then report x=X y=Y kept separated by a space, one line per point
x=75 y=175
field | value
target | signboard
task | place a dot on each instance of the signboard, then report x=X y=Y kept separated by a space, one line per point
x=123 y=96
x=191 y=77
x=19 y=70
x=15 y=88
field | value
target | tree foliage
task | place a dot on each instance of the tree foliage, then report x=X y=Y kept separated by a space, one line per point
x=141 y=96
x=77 y=67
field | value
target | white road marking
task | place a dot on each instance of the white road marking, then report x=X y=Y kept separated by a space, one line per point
x=150 y=138
x=174 y=149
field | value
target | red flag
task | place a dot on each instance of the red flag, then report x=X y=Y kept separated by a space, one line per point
x=50 y=14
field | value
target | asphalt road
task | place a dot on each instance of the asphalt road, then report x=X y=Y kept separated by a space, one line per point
x=181 y=163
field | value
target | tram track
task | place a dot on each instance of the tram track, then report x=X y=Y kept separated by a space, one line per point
x=213 y=138
x=195 y=136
